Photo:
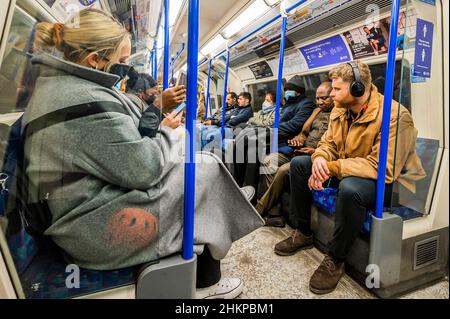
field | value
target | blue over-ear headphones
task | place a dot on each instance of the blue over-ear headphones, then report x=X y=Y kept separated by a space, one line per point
x=357 y=88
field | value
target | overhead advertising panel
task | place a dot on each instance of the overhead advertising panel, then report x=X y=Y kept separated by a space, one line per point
x=329 y=51
x=372 y=38
x=261 y=70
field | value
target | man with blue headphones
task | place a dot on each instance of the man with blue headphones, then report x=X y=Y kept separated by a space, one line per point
x=348 y=155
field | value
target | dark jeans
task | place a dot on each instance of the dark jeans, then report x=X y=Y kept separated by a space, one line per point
x=208 y=269
x=251 y=145
x=355 y=196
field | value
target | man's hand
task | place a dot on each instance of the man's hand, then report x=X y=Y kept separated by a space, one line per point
x=320 y=169
x=295 y=141
x=173 y=97
x=171 y=120
x=314 y=184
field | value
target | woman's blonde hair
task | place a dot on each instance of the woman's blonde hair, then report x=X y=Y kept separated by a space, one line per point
x=88 y=31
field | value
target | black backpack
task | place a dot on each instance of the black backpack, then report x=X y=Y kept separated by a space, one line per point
x=34 y=217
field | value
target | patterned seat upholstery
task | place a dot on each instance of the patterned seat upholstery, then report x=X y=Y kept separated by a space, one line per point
x=43 y=273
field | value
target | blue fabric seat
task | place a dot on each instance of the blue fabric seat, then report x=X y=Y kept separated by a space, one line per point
x=42 y=271
x=427 y=150
x=325 y=200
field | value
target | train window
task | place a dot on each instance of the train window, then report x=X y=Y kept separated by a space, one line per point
x=404 y=85
x=15 y=75
x=258 y=92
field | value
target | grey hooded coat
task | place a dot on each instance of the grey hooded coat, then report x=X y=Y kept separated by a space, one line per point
x=115 y=196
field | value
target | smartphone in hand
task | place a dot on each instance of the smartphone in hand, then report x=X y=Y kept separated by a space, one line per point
x=180 y=108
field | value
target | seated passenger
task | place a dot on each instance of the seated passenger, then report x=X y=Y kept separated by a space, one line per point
x=349 y=152
x=201 y=108
x=142 y=86
x=266 y=116
x=211 y=139
x=115 y=196
x=250 y=148
x=243 y=112
x=231 y=104
x=271 y=184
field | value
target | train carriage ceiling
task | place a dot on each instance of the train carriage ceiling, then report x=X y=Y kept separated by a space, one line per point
x=221 y=21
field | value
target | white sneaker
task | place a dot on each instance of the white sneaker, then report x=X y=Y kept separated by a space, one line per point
x=249 y=192
x=226 y=288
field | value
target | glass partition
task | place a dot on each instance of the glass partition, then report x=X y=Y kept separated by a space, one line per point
x=414 y=151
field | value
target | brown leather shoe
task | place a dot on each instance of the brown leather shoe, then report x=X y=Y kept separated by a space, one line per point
x=277 y=221
x=327 y=275
x=292 y=244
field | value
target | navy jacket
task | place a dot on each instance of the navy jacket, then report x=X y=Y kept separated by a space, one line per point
x=294 y=114
x=216 y=119
x=239 y=115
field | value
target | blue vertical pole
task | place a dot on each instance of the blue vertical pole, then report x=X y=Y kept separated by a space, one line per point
x=208 y=83
x=388 y=92
x=166 y=46
x=279 y=83
x=191 y=113
x=225 y=91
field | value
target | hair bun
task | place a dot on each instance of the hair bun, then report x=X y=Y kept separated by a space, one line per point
x=45 y=34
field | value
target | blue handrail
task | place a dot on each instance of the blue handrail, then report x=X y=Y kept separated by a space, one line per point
x=388 y=92
x=225 y=92
x=208 y=83
x=261 y=27
x=191 y=114
x=279 y=83
x=166 y=45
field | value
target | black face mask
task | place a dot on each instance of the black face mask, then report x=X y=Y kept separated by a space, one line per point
x=121 y=70
x=150 y=99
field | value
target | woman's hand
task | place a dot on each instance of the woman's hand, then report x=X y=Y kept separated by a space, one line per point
x=171 y=120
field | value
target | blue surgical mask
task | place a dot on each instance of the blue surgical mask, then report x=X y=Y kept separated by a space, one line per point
x=267 y=107
x=118 y=85
x=289 y=94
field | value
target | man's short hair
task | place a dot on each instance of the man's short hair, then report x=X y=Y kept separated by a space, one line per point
x=345 y=72
x=247 y=96
x=233 y=95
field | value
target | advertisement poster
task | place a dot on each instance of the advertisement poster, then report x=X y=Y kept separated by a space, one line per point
x=312 y=11
x=294 y=62
x=424 y=48
x=373 y=38
x=326 y=52
x=66 y=8
x=261 y=70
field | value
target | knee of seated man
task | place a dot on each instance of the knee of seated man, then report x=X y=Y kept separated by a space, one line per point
x=132 y=228
x=348 y=187
x=300 y=162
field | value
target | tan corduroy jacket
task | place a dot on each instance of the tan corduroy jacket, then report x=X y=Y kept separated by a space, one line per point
x=354 y=150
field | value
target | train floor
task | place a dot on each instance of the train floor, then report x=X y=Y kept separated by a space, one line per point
x=269 y=276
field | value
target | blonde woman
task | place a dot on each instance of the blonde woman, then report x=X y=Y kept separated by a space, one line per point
x=115 y=196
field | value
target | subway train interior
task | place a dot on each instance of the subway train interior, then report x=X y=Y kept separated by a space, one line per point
x=81 y=217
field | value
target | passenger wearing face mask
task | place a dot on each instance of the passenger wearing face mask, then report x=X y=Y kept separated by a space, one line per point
x=296 y=110
x=114 y=194
x=248 y=152
x=275 y=167
x=266 y=116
